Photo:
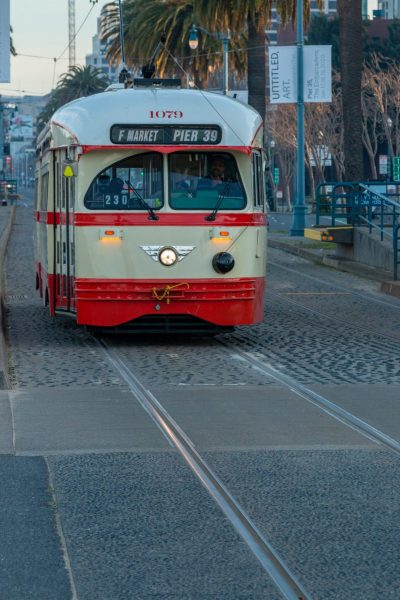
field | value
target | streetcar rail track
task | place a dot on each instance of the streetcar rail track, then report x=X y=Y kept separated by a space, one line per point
x=262 y=549
x=332 y=409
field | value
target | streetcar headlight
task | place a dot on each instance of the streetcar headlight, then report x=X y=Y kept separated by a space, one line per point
x=223 y=262
x=168 y=257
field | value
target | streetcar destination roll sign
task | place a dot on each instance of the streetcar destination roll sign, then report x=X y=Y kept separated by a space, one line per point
x=170 y=135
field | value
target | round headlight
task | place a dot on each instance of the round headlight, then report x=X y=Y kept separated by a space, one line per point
x=223 y=262
x=168 y=256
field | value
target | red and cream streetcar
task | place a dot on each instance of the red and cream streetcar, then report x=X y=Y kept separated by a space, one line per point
x=150 y=210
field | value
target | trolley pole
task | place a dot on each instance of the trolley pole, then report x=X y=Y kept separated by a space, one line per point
x=225 y=57
x=299 y=207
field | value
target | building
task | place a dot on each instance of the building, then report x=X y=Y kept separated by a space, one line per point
x=328 y=8
x=390 y=8
x=98 y=58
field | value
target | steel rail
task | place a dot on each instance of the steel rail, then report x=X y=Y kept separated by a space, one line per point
x=332 y=409
x=269 y=559
x=368 y=297
x=282 y=296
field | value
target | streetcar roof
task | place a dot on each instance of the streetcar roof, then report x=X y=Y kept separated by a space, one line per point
x=88 y=121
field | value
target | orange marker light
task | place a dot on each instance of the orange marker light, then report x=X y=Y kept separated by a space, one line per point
x=224 y=233
x=109 y=232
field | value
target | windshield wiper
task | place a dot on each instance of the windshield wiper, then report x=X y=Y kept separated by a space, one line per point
x=221 y=198
x=152 y=214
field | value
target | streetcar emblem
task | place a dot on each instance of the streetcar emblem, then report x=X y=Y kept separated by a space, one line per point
x=154 y=251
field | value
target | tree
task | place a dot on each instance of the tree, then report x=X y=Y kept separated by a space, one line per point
x=77 y=82
x=350 y=18
x=145 y=21
x=144 y=24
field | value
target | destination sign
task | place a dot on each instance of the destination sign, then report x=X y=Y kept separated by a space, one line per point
x=165 y=134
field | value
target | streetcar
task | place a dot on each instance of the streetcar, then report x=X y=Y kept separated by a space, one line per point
x=150 y=210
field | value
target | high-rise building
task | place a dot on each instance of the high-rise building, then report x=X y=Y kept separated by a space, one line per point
x=390 y=8
x=98 y=58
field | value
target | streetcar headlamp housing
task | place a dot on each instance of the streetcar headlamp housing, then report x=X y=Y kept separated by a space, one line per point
x=167 y=257
x=223 y=262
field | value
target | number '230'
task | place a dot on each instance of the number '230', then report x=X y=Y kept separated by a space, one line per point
x=166 y=114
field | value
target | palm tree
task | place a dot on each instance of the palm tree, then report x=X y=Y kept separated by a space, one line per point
x=145 y=22
x=77 y=82
x=81 y=81
x=350 y=30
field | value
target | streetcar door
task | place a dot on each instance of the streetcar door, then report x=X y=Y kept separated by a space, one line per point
x=65 y=267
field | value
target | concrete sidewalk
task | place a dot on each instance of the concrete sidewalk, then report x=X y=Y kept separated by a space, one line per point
x=323 y=253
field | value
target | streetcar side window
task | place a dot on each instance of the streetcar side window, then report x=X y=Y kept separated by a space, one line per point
x=202 y=180
x=130 y=184
x=44 y=192
x=258 y=179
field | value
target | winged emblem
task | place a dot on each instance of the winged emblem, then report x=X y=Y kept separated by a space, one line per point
x=154 y=251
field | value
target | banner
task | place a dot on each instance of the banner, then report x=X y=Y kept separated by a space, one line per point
x=317 y=78
x=5 y=41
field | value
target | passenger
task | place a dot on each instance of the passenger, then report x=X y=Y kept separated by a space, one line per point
x=116 y=185
x=217 y=171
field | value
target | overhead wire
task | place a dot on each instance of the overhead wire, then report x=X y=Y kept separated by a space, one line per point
x=69 y=43
x=204 y=96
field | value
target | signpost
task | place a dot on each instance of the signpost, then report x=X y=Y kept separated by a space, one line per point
x=396 y=168
x=317 y=81
x=276 y=175
x=300 y=74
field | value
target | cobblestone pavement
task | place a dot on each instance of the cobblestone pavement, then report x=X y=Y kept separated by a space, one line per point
x=137 y=524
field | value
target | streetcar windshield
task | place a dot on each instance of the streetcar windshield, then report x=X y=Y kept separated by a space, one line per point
x=130 y=184
x=202 y=181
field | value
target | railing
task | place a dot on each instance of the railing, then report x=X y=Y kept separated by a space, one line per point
x=375 y=205
x=396 y=252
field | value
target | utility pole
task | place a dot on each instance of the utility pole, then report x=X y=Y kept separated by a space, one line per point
x=299 y=207
x=71 y=32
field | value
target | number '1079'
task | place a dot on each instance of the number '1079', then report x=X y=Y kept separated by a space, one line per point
x=166 y=114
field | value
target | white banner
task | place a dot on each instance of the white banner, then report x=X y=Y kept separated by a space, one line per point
x=317 y=77
x=282 y=74
x=5 y=41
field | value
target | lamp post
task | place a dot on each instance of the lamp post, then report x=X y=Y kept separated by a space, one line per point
x=224 y=37
x=299 y=207
x=272 y=173
x=389 y=123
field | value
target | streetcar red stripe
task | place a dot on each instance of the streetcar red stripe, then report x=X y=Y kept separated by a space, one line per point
x=167 y=149
x=170 y=219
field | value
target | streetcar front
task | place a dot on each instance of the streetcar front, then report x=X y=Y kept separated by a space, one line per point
x=169 y=217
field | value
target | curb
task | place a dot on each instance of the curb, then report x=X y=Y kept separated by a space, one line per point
x=4 y=238
x=292 y=249
x=383 y=277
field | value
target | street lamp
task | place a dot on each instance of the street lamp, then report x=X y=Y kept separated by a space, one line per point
x=225 y=37
x=299 y=206
x=272 y=173
x=389 y=123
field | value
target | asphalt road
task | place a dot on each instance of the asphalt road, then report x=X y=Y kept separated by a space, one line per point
x=97 y=504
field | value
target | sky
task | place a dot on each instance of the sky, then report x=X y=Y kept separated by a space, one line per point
x=41 y=30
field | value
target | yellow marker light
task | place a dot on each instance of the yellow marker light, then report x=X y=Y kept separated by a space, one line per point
x=110 y=235
x=218 y=234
